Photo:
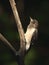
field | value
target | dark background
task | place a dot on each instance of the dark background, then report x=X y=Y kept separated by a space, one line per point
x=37 y=9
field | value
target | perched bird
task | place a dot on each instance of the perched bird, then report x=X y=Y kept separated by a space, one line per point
x=31 y=32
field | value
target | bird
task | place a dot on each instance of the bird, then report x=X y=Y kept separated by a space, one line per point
x=31 y=32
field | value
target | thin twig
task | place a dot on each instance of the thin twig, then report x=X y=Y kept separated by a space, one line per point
x=2 y=38
x=18 y=23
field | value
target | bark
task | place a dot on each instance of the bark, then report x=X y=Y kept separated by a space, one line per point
x=18 y=23
x=21 y=33
x=2 y=38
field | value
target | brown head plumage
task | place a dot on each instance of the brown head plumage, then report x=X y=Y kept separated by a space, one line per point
x=33 y=23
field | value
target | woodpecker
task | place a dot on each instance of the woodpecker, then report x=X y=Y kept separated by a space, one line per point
x=30 y=33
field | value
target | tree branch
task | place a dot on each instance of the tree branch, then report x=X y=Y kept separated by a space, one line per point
x=25 y=39
x=2 y=38
x=18 y=23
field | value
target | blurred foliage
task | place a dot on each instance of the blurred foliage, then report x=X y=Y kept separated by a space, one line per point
x=38 y=9
x=31 y=57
